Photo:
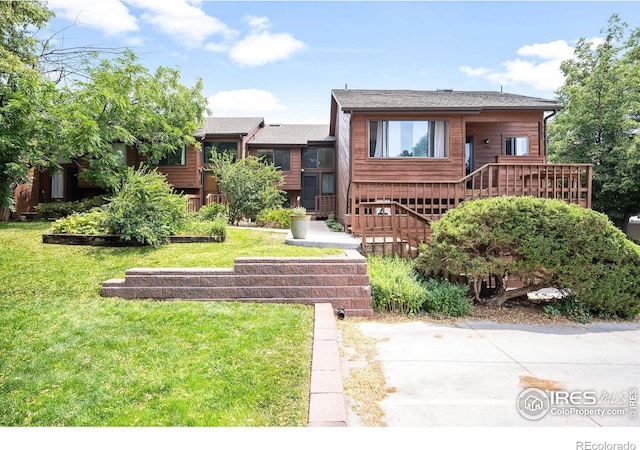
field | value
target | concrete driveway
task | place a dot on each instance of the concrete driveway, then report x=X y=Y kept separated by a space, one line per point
x=475 y=373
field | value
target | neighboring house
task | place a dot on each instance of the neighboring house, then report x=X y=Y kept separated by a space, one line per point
x=416 y=154
x=304 y=153
x=306 y=156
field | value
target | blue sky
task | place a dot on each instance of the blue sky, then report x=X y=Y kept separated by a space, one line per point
x=280 y=60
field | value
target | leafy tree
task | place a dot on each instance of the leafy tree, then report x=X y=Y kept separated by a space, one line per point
x=123 y=102
x=248 y=186
x=601 y=118
x=541 y=242
x=23 y=92
x=102 y=103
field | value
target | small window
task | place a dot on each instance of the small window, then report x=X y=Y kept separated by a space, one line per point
x=279 y=158
x=228 y=148
x=57 y=185
x=408 y=139
x=178 y=158
x=120 y=150
x=328 y=183
x=516 y=146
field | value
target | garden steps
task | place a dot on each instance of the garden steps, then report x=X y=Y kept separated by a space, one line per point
x=341 y=281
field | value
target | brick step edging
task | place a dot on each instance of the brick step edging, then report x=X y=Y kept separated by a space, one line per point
x=327 y=400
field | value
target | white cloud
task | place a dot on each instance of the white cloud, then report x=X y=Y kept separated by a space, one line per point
x=245 y=102
x=182 y=20
x=263 y=48
x=537 y=67
x=258 y=23
x=187 y=23
x=556 y=50
x=109 y=16
x=474 y=72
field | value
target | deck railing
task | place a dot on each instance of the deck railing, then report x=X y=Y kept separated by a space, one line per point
x=430 y=200
x=325 y=205
x=213 y=198
x=392 y=228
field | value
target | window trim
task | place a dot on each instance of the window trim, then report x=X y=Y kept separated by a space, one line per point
x=404 y=158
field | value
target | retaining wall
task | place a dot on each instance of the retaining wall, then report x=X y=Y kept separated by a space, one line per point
x=341 y=281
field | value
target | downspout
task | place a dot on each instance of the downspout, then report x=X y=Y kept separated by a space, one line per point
x=546 y=144
x=349 y=204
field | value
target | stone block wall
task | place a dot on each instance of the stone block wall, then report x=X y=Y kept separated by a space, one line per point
x=342 y=281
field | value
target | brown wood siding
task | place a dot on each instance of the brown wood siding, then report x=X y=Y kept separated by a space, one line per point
x=343 y=165
x=407 y=169
x=496 y=125
x=292 y=177
x=187 y=176
x=496 y=132
x=27 y=195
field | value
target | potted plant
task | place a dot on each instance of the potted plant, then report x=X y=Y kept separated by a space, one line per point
x=299 y=222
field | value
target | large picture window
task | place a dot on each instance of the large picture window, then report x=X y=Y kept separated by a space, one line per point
x=516 y=146
x=228 y=148
x=408 y=139
x=279 y=158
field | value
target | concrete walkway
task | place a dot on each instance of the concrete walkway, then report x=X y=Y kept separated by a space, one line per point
x=323 y=237
x=472 y=373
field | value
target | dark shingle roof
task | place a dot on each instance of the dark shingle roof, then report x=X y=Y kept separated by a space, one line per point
x=228 y=125
x=446 y=100
x=287 y=134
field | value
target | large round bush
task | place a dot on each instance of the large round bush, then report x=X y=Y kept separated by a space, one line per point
x=542 y=242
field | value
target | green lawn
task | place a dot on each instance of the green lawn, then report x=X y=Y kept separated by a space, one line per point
x=69 y=357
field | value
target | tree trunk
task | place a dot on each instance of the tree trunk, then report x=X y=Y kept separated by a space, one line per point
x=500 y=298
x=5 y=214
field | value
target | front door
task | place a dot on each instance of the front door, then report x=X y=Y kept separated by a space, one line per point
x=468 y=154
x=72 y=191
x=309 y=190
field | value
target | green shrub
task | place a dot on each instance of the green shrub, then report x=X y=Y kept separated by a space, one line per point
x=145 y=209
x=92 y=222
x=274 y=218
x=248 y=185
x=56 y=210
x=213 y=211
x=545 y=243
x=334 y=225
x=444 y=298
x=217 y=227
x=571 y=308
x=395 y=285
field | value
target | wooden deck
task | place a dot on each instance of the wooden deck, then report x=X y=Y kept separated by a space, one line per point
x=400 y=211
